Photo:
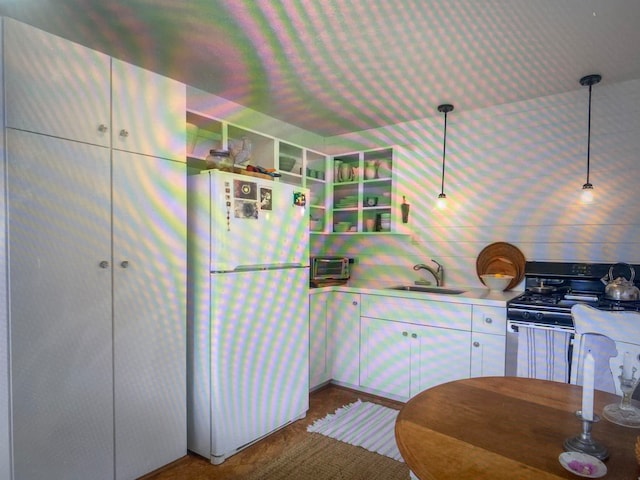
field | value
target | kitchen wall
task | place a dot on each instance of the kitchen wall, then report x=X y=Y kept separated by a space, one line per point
x=513 y=173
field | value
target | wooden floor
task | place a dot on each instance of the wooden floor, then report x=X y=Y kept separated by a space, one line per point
x=321 y=402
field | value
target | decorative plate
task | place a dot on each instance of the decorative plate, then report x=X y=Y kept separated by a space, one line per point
x=504 y=258
x=582 y=464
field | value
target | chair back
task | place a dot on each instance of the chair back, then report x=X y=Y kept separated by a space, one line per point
x=608 y=334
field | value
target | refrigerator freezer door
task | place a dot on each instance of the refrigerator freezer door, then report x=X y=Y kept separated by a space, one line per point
x=256 y=222
x=259 y=355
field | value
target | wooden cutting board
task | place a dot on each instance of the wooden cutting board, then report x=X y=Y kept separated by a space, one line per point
x=242 y=171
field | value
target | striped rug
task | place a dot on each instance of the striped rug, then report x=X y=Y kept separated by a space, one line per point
x=363 y=424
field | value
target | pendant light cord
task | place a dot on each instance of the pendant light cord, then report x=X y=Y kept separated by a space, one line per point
x=444 y=152
x=589 y=80
x=445 y=108
x=589 y=134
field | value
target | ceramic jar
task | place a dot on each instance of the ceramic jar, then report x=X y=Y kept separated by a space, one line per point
x=384 y=169
x=370 y=169
x=336 y=170
x=346 y=173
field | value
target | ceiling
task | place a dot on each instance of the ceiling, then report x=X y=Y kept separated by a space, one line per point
x=338 y=66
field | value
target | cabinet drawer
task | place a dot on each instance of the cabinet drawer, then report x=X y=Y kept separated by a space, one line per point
x=489 y=319
x=419 y=312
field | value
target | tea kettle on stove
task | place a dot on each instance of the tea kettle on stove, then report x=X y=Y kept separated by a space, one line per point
x=620 y=288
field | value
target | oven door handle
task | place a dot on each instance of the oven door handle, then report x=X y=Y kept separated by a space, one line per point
x=512 y=325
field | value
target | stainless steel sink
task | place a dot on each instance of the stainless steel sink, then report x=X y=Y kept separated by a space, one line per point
x=418 y=288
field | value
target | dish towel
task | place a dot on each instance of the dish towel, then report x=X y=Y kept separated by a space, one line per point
x=543 y=354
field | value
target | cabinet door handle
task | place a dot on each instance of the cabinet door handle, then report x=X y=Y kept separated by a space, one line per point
x=414 y=335
x=104 y=264
x=476 y=344
x=404 y=334
x=124 y=133
x=488 y=320
x=124 y=263
x=354 y=303
x=102 y=128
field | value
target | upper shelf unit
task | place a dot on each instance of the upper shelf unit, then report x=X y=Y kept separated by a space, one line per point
x=295 y=164
x=363 y=193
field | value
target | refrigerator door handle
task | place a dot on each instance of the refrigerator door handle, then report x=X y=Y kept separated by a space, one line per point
x=258 y=267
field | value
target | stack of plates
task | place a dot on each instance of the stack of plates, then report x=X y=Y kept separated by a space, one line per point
x=349 y=201
x=504 y=258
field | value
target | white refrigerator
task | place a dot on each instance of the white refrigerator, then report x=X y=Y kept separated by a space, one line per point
x=248 y=310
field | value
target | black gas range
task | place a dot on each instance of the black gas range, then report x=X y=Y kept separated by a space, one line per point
x=552 y=288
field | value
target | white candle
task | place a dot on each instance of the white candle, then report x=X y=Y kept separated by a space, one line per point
x=626 y=366
x=588 y=374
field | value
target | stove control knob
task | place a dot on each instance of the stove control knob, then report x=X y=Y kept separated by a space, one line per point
x=539 y=315
x=526 y=315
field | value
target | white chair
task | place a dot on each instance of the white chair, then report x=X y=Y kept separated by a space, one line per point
x=608 y=334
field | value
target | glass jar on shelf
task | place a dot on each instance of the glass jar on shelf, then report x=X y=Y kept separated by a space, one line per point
x=219 y=159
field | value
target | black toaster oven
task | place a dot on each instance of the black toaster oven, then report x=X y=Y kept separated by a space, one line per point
x=327 y=270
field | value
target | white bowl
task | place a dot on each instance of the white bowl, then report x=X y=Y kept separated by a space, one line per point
x=496 y=282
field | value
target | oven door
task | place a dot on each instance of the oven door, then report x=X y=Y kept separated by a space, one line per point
x=538 y=350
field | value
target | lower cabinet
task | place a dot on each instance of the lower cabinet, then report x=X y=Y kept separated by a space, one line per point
x=344 y=337
x=403 y=359
x=488 y=343
x=398 y=347
x=319 y=366
x=487 y=355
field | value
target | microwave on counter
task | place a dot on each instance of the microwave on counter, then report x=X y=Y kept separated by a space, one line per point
x=329 y=270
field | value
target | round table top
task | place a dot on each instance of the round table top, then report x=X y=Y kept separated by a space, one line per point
x=505 y=428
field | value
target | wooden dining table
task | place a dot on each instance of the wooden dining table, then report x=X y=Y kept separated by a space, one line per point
x=505 y=428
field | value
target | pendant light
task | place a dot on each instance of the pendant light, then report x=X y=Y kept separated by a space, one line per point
x=442 y=198
x=587 y=188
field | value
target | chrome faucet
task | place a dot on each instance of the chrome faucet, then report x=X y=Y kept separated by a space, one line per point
x=437 y=274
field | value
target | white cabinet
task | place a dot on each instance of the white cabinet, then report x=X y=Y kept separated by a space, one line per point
x=344 y=345
x=487 y=355
x=398 y=347
x=385 y=356
x=60 y=308
x=54 y=86
x=409 y=345
x=147 y=112
x=95 y=319
x=319 y=367
x=488 y=342
x=149 y=312
x=66 y=90
x=443 y=356
x=97 y=263
x=60 y=235
x=403 y=359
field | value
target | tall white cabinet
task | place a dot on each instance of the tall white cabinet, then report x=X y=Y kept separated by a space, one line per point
x=149 y=312
x=96 y=259
x=60 y=311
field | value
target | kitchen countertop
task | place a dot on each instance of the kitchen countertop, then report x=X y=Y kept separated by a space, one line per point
x=471 y=295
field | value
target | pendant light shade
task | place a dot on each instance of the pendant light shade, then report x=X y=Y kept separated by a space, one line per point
x=587 y=188
x=442 y=198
